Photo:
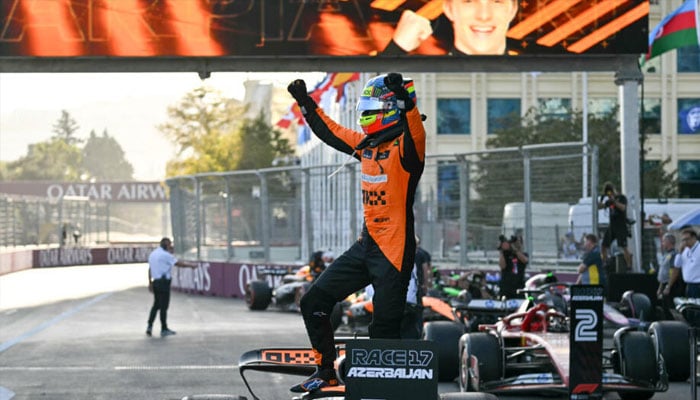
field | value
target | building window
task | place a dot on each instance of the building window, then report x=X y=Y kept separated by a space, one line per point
x=554 y=108
x=499 y=111
x=602 y=107
x=448 y=191
x=688 y=59
x=651 y=116
x=689 y=116
x=454 y=116
x=689 y=178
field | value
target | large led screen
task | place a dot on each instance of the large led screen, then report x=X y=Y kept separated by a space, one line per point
x=318 y=28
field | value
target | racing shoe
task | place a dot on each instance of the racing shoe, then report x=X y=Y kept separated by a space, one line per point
x=320 y=379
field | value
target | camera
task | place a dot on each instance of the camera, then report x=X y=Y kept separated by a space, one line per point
x=502 y=239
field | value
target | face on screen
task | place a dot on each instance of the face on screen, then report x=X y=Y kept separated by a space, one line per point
x=480 y=26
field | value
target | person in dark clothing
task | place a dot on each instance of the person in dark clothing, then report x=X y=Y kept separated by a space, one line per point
x=391 y=150
x=412 y=322
x=591 y=271
x=512 y=261
x=160 y=265
x=616 y=203
x=669 y=276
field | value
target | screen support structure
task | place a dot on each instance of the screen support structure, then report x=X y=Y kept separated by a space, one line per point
x=628 y=78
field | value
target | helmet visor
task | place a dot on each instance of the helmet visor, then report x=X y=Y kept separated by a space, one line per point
x=373 y=103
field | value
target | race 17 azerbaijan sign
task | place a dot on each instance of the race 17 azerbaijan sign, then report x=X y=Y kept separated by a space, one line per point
x=296 y=28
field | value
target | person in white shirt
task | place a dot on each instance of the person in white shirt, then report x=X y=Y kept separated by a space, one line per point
x=689 y=262
x=160 y=265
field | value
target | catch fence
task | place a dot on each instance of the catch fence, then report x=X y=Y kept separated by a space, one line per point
x=464 y=202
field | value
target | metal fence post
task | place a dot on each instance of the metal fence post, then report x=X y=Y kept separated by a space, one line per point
x=594 y=190
x=230 y=252
x=197 y=219
x=353 y=201
x=463 y=209
x=307 y=236
x=265 y=214
x=527 y=197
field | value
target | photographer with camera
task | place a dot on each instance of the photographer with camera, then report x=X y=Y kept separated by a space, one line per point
x=512 y=261
x=616 y=203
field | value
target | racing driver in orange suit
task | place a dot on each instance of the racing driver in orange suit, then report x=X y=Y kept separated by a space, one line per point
x=391 y=150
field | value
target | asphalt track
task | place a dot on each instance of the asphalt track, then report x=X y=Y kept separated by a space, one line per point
x=79 y=333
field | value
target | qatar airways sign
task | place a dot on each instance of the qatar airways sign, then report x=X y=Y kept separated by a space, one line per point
x=103 y=191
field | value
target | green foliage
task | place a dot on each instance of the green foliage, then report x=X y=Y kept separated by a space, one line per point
x=104 y=159
x=52 y=160
x=61 y=159
x=261 y=144
x=65 y=129
x=204 y=127
x=212 y=135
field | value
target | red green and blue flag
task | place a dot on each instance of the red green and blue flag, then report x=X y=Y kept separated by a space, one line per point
x=681 y=28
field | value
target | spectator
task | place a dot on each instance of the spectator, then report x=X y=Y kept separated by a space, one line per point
x=689 y=262
x=616 y=203
x=76 y=233
x=591 y=271
x=160 y=265
x=412 y=322
x=569 y=247
x=650 y=261
x=670 y=280
x=512 y=261
x=424 y=262
x=328 y=258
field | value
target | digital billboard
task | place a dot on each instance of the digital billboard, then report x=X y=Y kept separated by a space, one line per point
x=320 y=28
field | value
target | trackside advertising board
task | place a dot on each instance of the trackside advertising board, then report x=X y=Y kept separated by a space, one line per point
x=319 y=28
x=391 y=369
x=586 y=354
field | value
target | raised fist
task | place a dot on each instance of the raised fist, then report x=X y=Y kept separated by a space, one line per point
x=394 y=81
x=298 y=90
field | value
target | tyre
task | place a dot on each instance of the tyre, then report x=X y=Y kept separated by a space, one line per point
x=486 y=349
x=672 y=342
x=446 y=335
x=467 y=396
x=642 y=307
x=258 y=295
x=637 y=362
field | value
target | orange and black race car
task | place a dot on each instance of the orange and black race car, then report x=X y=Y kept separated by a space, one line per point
x=299 y=361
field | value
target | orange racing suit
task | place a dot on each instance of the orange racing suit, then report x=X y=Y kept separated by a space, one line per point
x=384 y=255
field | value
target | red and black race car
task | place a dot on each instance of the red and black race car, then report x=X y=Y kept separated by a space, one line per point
x=529 y=351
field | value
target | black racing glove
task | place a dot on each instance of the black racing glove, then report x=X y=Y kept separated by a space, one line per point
x=394 y=81
x=298 y=90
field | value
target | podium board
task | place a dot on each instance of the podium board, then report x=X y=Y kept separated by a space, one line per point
x=586 y=343
x=391 y=369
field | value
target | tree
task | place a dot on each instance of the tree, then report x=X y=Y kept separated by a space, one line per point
x=261 y=144
x=65 y=128
x=203 y=126
x=104 y=159
x=211 y=135
x=52 y=160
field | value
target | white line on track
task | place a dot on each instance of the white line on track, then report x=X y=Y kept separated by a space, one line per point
x=6 y=345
